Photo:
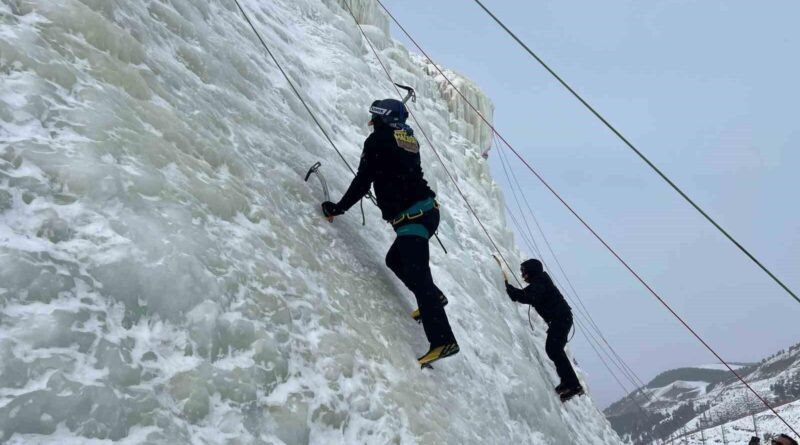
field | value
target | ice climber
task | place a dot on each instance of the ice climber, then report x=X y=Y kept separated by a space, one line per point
x=391 y=163
x=551 y=306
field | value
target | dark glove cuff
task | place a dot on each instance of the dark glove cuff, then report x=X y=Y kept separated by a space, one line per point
x=331 y=209
x=510 y=292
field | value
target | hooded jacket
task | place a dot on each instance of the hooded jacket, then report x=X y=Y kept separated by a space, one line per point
x=543 y=295
x=391 y=163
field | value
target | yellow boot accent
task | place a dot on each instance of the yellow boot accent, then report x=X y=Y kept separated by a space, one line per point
x=415 y=313
x=432 y=355
x=438 y=353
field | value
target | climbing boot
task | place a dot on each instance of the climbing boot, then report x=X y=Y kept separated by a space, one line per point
x=571 y=392
x=438 y=352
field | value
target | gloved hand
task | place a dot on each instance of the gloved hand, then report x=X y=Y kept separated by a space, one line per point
x=330 y=209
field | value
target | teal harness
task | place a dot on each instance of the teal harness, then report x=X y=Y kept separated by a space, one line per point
x=415 y=211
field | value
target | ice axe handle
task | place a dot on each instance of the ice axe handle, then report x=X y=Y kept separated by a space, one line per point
x=505 y=276
x=315 y=169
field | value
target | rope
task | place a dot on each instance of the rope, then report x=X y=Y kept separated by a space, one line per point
x=573 y=334
x=528 y=243
x=505 y=279
x=585 y=224
x=430 y=142
x=607 y=367
x=586 y=313
x=300 y=97
x=469 y=206
x=618 y=362
x=530 y=240
x=639 y=153
x=433 y=147
x=574 y=328
x=316 y=121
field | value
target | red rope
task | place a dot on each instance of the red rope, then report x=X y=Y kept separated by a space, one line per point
x=596 y=235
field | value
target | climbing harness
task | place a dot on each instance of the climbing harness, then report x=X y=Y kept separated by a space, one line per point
x=424 y=133
x=416 y=211
x=582 y=310
x=412 y=94
x=582 y=221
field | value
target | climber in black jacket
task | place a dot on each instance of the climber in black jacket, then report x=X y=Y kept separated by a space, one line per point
x=391 y=163
x=551 y=306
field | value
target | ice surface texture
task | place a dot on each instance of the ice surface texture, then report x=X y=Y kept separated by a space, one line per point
x=165 y=275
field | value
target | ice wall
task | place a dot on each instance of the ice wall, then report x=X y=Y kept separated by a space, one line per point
x=463 y=118
x=165 y=276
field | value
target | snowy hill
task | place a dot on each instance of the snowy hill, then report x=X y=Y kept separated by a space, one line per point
x=165 y=275
x=739 y=431
x=687 y=400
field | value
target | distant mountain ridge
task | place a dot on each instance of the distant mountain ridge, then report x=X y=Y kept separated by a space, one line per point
x=697 y=397
x=688 y=374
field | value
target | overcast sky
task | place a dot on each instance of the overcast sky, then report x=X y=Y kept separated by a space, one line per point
x=709 y=91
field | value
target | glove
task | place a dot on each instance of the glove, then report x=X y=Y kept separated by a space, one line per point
x=510 y=291
x=330 y=209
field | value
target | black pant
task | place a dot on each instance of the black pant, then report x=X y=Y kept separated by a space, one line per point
x=408 y=258
x=557 y=336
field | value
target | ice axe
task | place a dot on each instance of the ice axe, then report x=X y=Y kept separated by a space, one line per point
x=315 y=170
x=410 y=93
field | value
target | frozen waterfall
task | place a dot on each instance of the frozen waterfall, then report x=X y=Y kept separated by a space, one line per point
x=166 y=277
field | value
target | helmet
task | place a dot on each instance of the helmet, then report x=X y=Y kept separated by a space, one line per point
x=531 y=267
x=388 y=111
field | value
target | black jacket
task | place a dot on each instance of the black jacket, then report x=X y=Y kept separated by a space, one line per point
x=544 y=297
x=391 y=162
